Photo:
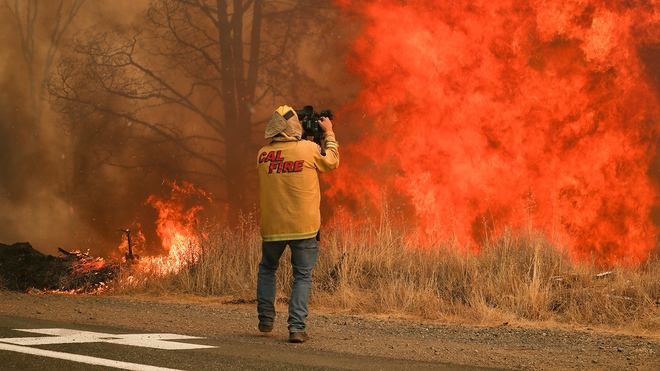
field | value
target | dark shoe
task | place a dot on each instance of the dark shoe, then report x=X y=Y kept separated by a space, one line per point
x=265 y=327
x=298 y=337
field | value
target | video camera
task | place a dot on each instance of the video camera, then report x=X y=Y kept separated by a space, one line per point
x=310 y=124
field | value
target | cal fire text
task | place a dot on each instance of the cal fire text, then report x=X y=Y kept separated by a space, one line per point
x=278 y=165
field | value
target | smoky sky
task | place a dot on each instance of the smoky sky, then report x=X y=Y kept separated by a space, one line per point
x=66 y=188
x=35 y=157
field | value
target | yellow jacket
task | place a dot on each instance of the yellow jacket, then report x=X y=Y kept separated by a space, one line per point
x=289 y=187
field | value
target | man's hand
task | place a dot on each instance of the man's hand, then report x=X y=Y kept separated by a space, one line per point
x=326 y=124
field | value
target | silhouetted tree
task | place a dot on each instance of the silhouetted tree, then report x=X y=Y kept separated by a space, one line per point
x=25 y=12
x=186 y=91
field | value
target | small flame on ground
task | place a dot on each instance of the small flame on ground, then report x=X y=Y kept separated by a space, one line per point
x=176 y=227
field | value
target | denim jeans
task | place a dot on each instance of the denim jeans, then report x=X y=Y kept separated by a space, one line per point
x=304 y=254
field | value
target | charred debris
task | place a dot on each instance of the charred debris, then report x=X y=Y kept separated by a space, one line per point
x=24 y=269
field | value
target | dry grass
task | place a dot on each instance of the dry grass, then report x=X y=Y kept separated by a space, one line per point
x=520 y=276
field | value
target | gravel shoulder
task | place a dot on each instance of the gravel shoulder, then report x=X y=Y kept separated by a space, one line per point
x=506 y=346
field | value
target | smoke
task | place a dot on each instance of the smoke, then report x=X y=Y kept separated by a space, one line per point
x=74 y=184
x=35 y=154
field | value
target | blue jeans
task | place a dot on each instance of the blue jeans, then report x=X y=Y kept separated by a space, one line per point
x=303 y=258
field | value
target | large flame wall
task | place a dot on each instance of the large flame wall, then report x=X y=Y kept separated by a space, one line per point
x=479 y=114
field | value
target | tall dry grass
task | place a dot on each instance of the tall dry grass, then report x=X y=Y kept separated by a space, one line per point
x=378 y=269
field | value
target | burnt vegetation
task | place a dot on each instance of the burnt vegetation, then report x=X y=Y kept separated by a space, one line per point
x=22 y=268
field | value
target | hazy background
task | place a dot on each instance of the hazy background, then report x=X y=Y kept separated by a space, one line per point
x=35 y=157
x=71 y=180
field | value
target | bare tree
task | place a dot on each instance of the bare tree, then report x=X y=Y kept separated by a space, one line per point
x=25 y=13
x=190 y=82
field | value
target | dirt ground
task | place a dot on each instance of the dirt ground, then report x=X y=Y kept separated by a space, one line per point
x=505 y=346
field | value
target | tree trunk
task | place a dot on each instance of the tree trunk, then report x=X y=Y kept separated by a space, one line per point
x=235 y=96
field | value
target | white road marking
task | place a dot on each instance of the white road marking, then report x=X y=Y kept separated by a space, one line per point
x=83 y=359
x=67 y=336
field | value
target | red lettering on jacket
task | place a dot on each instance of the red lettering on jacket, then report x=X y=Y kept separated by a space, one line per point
x=282 y=167
x=278 y=165
x=270 y=156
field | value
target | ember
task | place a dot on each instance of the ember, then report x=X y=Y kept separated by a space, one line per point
x=479 y=115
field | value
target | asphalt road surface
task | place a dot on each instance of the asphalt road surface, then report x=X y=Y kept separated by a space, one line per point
x=32 y=344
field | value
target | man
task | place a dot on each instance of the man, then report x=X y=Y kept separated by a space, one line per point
x=288 y=170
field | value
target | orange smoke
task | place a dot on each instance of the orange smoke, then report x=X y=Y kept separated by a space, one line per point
x=480 y=114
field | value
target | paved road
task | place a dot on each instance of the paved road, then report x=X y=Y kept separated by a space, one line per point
x=30 y=344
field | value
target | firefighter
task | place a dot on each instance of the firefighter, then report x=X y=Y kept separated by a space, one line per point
x=290 y=199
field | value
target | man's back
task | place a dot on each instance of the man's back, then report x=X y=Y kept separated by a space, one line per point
x=289 y=188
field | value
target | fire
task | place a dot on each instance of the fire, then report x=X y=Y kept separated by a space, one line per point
x=479 y=114
x=176 y=227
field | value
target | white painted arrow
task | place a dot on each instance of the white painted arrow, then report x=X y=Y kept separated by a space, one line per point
x=67 y=336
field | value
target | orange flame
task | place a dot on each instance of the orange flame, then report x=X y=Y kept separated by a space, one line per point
x=176 y=228
x=478 y=114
